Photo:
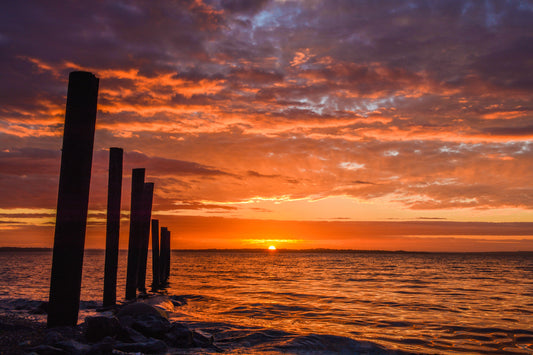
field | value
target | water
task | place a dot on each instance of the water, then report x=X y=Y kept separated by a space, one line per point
x=427 y=303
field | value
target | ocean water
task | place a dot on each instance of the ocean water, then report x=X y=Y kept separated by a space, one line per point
x=300 y=302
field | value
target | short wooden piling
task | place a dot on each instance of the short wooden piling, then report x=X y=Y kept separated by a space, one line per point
x=73 y=199
x=114 y=193
x=155 y=255
x=135 y=235
x=146 y=215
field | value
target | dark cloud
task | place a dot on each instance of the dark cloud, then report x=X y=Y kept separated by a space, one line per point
x=164 y=166
x=259 y=175
x=510 y=131
x=243 y=6
x=29 y=161
x=363 y=182
x=203 y=206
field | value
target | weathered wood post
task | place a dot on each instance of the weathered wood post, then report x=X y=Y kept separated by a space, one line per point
x=114 y=193
x=155 y=255
x=134 y=243
x=146 y=210
x=167 y=240
x=73 y=199
x=163 y=256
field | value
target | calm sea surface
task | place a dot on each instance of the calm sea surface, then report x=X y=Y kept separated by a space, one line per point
x=427 y=303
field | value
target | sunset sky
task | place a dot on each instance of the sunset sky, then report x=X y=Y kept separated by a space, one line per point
x=295 y=123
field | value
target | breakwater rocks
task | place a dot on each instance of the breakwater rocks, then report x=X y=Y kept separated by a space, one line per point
x=134 y=328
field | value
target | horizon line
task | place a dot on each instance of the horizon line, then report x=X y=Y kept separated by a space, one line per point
x=327 y=250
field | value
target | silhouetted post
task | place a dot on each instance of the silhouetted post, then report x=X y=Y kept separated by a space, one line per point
x=73 y=199
x=134 y=243
x=163 y=256
x=114 y=192
x=167 y=273
x=155 y=254
x=146 y=215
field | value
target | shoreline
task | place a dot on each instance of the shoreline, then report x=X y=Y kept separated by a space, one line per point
x=140 y=326
x=144 y=326
x=17 y=333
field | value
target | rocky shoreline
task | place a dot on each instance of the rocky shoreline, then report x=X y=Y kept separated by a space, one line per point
x=137 y=327
x=148 y=326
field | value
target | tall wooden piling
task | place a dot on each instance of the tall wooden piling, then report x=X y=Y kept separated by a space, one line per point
x=114 y=193
x=155 y=255
x=135 y=235
x=146 y=215
x=163 y=256
x=167 y=264
x=73 y=199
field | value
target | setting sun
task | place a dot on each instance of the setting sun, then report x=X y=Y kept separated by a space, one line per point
x=271 y=247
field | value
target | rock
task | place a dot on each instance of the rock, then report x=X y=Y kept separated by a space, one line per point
x=52 y=336
x=134 y=310
x=178 y=301
x=151 y=325
x=73 y=347
x=130 y=335
x=104 y=347
x=46 y=350
x=179 y=336
x=42 y=308
x=202 y=339
x=58 y=334
x=152 y=346
x=99 y=327
x=146 y=319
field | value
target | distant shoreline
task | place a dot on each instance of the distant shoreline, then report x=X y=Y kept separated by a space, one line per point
x=313 y=250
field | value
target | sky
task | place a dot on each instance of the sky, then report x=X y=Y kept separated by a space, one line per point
x=299 y=123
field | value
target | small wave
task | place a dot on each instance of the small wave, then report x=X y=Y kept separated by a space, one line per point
x=251 y=339
x=263 y=309
x=332 y=344
x=487 y=330
x=395 y=324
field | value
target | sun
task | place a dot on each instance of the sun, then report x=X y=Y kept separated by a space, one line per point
x=271 y=247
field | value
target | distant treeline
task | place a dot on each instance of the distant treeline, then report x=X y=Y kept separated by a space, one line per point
x=23 y=249
x=262 y=250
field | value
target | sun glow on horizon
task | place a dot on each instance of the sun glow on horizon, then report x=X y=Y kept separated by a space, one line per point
x=272 y=247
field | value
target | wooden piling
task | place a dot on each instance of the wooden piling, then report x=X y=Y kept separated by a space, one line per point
x=135 y=235
x=146 y=210
x=114 y=193
x=73 y=199
x=155 y=255
x=167 y=264
x=163 y=256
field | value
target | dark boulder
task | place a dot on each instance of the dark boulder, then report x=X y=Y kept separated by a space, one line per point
x=130 y=335
x=152 y=346
x=99 y=327
x=179 y=336
x=148 y=320
x=46 y=350
x=151 y=325
x=202 y=339
x=42 y=308
x=103 y=347
x=73 y=347
x=134 y=310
